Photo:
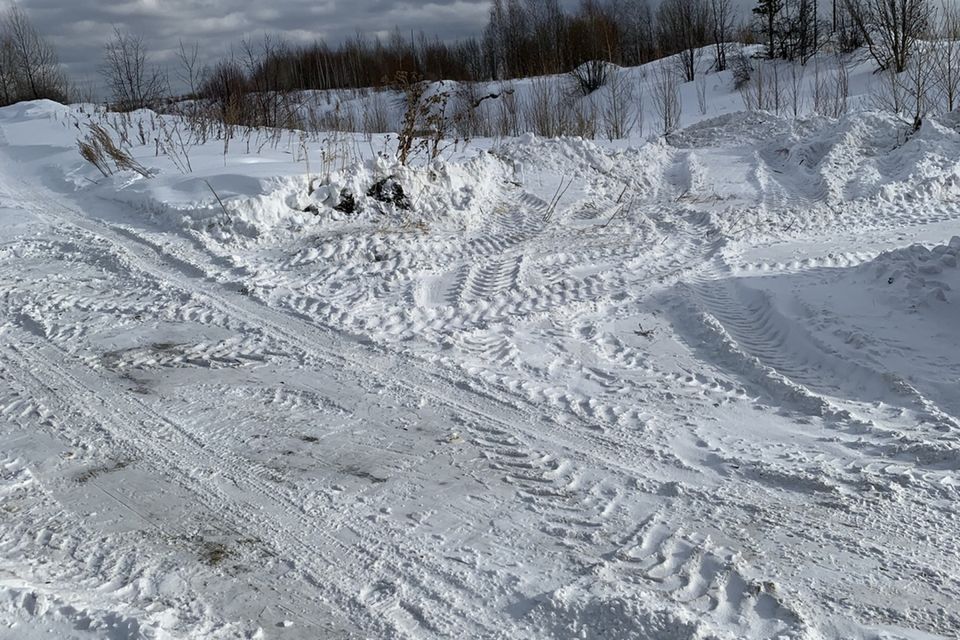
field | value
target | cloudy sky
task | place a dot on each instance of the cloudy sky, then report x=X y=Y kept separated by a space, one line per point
x=79 y=28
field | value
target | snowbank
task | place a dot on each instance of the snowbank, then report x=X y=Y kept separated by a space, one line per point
x=918 y=276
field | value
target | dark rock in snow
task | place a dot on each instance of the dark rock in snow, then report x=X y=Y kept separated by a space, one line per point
x=390 y=191
x=347 y=204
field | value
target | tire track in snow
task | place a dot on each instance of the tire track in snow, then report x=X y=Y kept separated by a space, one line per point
x=174 y=451
x=701 y=577
x=746 y=333
x=51 y=557
x=537 y=474
x=411 y=375
x=308 y=346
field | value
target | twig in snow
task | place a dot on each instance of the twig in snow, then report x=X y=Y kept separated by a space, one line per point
x=555 y=193
x=618 y=211
x=645 y=333
x=623 y=193
x=213 y=191
x=557 y=197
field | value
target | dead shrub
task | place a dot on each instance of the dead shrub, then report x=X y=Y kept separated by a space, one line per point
x=97 y=147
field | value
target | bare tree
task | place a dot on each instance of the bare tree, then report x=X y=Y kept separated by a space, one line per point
x=830 y=88
x=841 y=86
x=946 y=61
x=684 y=27
x=225 y=87
x=582 y=120
x=847 y=33
x=548 y=23
x=84 y=91
x=906 y=94
x=795 y=89
x=30 y=67
x=764 y=91
x=799 y=31
x=890 y=28
x=133 y=82
x=191 y=72
x=546 y=111
x=619 y=107
x=742 y=68
x=8 y=75
x=919 y=78
x=509 y=112
x=701 y=85
x=666 y=98
x=721 y=24
x=593 y=34
x=887 y=92
x=638 y=42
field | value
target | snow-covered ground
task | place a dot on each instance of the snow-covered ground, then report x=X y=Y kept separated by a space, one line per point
x=695 y=388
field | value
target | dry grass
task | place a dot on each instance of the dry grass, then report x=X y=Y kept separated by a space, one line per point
x=99 y=149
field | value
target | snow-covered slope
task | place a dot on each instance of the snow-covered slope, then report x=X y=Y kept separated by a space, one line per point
x=801 y=90
x=688 y=388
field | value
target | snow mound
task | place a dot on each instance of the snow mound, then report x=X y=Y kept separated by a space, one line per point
x=874 y=154
x=861 y=156
x=570 y=612
x=918 y=275
x=232 y=207
x=28 y=612
x=443 y=192
x=739 y=128
x=573 y=156
x=37 y=109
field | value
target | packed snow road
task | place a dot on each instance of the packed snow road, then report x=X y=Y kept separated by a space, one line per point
x=657 y=407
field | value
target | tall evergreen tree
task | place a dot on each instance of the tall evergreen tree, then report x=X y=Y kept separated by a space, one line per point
x=768 y=10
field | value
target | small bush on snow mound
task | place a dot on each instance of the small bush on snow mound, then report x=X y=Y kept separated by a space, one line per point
x=590 y=76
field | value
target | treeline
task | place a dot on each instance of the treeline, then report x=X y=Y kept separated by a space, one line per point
x=523 y=38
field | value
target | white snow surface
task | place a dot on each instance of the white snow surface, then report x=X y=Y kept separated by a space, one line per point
x=700 y=387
